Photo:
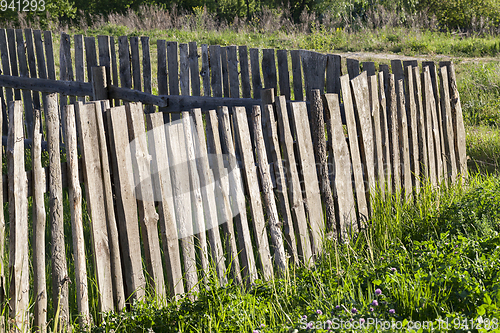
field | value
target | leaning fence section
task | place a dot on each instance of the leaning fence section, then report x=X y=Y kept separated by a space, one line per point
x=169 y=192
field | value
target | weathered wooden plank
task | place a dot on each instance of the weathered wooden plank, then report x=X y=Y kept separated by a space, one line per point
x=147 y=213
x=384 y=68
x=306 y=160
x=255 y=68
x=377 y=132
x=18 y=217
x=162 y=69
x=333 y=73
x=369 y=67
x=352 y=68
x=146 y=71
x=393 y=125
x=114 y=247
x=319 y=143
x=423 y=159
x=244 y=72
x=182 y=202
x=90 y=56
x=404 y=142
x=314 y=67
x=128 y=226
x=284 y=77
x=342 y=187
x=9 y=93
x=2 y=244
x=114 y=66
x=238 y=198
x=92 y=164
x=297 y=205
x=173 y=68
x=361 y=95
x=30 y=52
x=438 y=121
x=449 y=158
x=99 y=91
x=458 y=121
x=216 y=70
x=411 y=115
x=280 y=259
x=11 y=37
x=24 y=72
x=298 y=92
x=232 y=67
x=221 y=194
x=269 y=70
x=194 y=69
x=208 y=196
x=105 y=56
x=163 y=193
x=385 y=131
x=46 y=85
x=66 y=74
x=397 y=70
x=42 y=67
x=225 y=72
x=354 y=148
x=250 y=173
x=205 y=70
x=281 y=185
x=184 y=69
x=427 y=101
x=412 y=63
x=75 y=199
x=80 y=65
x=135 y=62
x=39 y=224
x=124 y=55
x=199 y=226
x=60 y=281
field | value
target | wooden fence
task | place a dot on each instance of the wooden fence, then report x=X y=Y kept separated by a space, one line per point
x=194 y=174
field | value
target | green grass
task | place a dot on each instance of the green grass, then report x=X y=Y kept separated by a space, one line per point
x=433 y=259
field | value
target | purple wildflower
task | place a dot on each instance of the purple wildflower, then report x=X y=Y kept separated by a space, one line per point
x=262 y=325
x=354 y=310
x=319 y=312
x=392 y=311
x=304 y=317
x=393 y=269
x=372 y=309
x=337 y=307
x=375 y=302
x=378 y=291
x=362 y=320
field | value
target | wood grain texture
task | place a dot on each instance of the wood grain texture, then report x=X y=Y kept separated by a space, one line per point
x=412 y=118
x=194 y=69
x=232 y=68
x=298 y=91
x=135 y=62
x=333 y=73
x=421 y=126
x=284 y=77
x=269 y=70
x=244 y=72
x=124 y=55
x=404 y=142
x=205 y=70
x=184 y=69
x=255 y=68
x=216 y=70
x=393 y=125
x=427 y=100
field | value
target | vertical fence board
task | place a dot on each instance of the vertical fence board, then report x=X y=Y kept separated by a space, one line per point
x=147 y=213
x=404 y=141
x=39 y=224
x=306 y=160
x=352 y=68
x=297 y=75
x=369 y=67
x=75 y=199
x=184 y=69
x=255 y=68
x=232 y=67
x=333 y=73
x=92 y=165
x=104 y=56
x=319 y=145
x=42 y=67
x=80 y=65
x=411 y=112
x=342 y=187
x=173 y=68
x=60 y=281
x=24 y=72
x=130 y=244
x=280 y=259
x=377 y=131
x=9 y=93
x=269 y=70
x=114 y=66
x=18 y=217
x=11 y=38
x=449 y=136
x=221 y=194
x=238 y=198
x=136 y=63
x=146 y=71
x=225 y=73
x=244 y=71
x=194 y=69
x=30 y=52
x=354 y=148
x=124 y=55
x=314 y=67
x=250 y=172
x=216 y=70
x=162 y=70
x=182 y=203
x=208 y=195
x=392 y=119
x=421 y=126
x=205 y=70
x=297 y=206
x=385 y=131
x=90 y=56
x=284 y=77
x=427 y=100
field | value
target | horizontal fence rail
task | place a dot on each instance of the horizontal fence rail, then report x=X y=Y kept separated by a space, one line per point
x=212 y=177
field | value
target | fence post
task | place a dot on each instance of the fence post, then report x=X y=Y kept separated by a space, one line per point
x=99 y=83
